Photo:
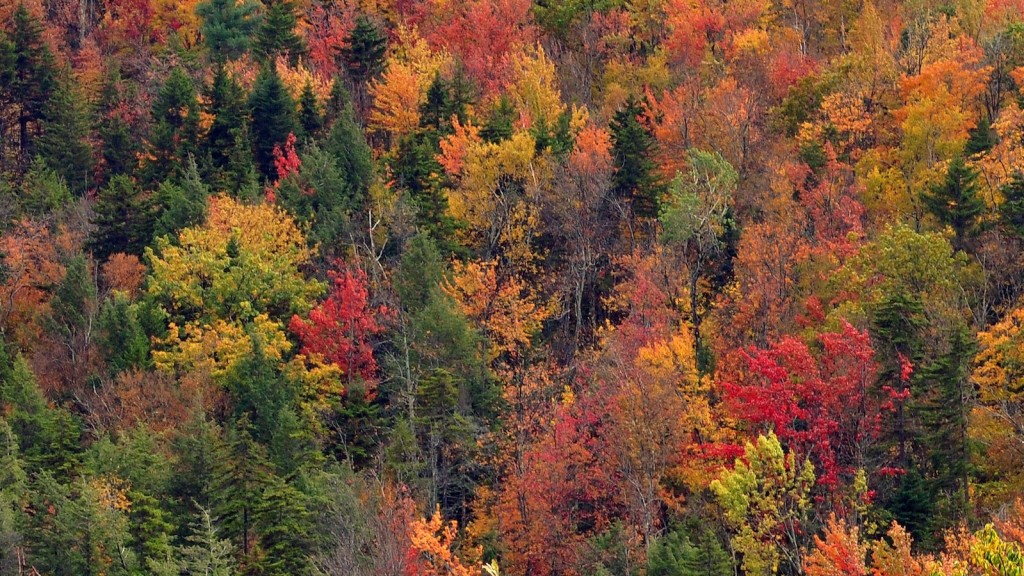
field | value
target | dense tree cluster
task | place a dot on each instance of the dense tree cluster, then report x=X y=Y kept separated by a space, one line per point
x=552 y=288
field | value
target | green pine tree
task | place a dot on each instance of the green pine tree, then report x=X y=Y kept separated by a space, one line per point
x=119 y=148
x=175 y=133
x=182 y=204
x=956 y=202
x=364 y=50
x=310 y=118
x=276 y=34
x=675 y=554
x=284 y=523
x=227 y=27
x=35 y=77
x=241 y=475
x=43 y=191
x=347 y=144
x=124 y=219
x=122 y=339
x=633 y=145
x=1011 y=211
x=273 y=118
x=63 y=144
x=204 y=551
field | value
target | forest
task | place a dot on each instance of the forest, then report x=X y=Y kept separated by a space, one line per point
x=512 y=287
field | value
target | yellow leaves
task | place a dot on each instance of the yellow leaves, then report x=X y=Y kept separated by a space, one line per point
x=111 y=493
x=296 y=77
x=402 y=89
x=1007 y=156
x=217 y=348
x=534 y=89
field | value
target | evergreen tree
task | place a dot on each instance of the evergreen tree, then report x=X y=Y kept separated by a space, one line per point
x=284 y=524
x=499 y=124
x=119 y=147
x=676 y=555
x=241 y=475
x=35 y=76
x=182 y=204
x=981 y=139
x=63 y=144
x=1011 y=211
x=310 y=118
x=273 y=118
x=175 y=130
x=276 y=34
x=347 y=144
x=204 y=551
x=227 y=27
x=124 y=219
x=13 y=492
x=416 y=170
x=956 y=203
x=446 y=440
x=43 y=191
x=635 y=177
x=913 y=506
x=122 y=339
x=364 y=50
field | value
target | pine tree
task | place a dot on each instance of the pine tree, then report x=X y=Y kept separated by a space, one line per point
x=205 y=552
x=347 y=144
x=284 y=524
x=175 y=132
x=273 y=118
x=122 y=339
x=242 y=474
x=310 y=118
x=633 y=145
x=499 y=124
x=676 y=555
x=119 y=147
x=276 y=34
x=35 y=76
x=63 y=144
x=364 y=50
x=182 y=203
x=416 y=170
x=956 y=203
x=43 y=191
x=124 y=219
x=226 y=150
x=227 y=27
x=1011 y=211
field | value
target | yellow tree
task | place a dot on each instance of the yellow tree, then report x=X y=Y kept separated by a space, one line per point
x=237 y=276
x=432 y=542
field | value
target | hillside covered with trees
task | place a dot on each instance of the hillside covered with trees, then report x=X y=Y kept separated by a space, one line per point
x=481 y=287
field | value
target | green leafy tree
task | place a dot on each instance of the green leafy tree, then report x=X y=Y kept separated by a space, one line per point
x=182 y=204
x=675 y=554
x=122 y=339
x=43 y=191
x=204 y=552
x=310 y=117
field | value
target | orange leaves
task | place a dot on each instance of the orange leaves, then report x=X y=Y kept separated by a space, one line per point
x=32 y=265
x=840 y=553
x=123 y=272
x=432 y=544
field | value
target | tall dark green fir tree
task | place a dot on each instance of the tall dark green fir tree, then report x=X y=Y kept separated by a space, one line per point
x=64 y=144
x=956 y=203
x=363 y=53
x=273 y=118
x=35 y=77
x=124 y=219
x=635 y=177
x=276 y=33
x=175 y=133
x=1011 y=211
x=227 y=27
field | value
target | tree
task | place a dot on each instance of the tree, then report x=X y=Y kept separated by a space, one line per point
x=122 y=339
x=273 y=118
x=432 y=541
x=181 y=203
x=227 y=27
x=840 y=553
x=956 y=203
x=35 y=77
x=347 y=144
x=175 y=132
x=1011 y=211
x=310 y=118
x=64 y=144
x=633 y=146
x=204 y=552
x=125 y=219
x=363 y=51
x=340 y=327
x=276 y=33
x=226 y=144
x=119 y=147
x=676 y=555
x=766 y=499
x=241 y=476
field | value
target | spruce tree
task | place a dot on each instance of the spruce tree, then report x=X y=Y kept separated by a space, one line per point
x=276 y=34
x=181 y=203
x=1011 y=211
x=226 y=150
x=35 y=76
x=273 y=118
x=175 y=132
x=121 y=337
x=227 y=27
x=635 y=177
x=242 y=474
x=364 y=50
x=499 y=124
x=204 y=552
x=119 y=148
x=284 y=524
x=124 y=219
x=347 y=144
x=676 y=554
x=956 y=202
x=63 y=144
x=43 y=191
x=310 y=118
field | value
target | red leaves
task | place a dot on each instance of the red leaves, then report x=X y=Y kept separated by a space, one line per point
x=339 y=328
x=817 y=404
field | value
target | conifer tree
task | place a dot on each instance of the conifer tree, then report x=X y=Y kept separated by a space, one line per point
x=276 y=34
x=35 y=76
x=63 y=144
x=124 y=219
x=122 y=338
x=347 y=144
x=227 y=27
x=175 y=132
x=43 y=191
x=310 y=118
x=182 y=203
x=676 y=555
x=633 y=145
x=364 y=50
x=119 y=148
x=204 y=552
x=273 y=118
x=1011 y=211
x=242 y=474
x=956 y=203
